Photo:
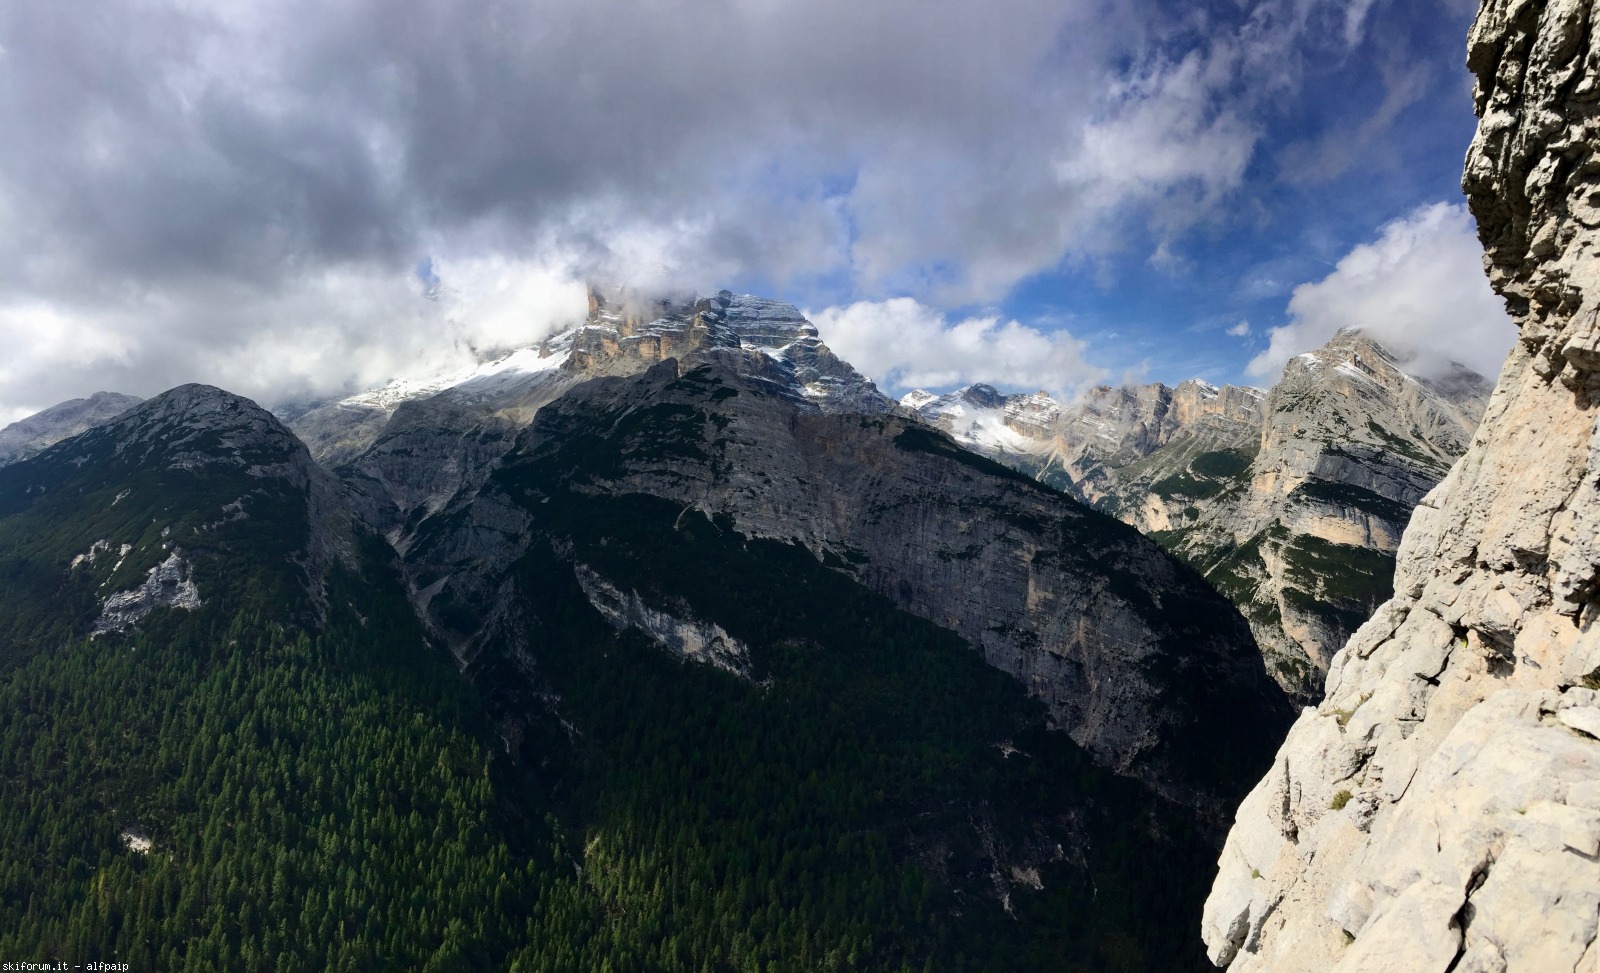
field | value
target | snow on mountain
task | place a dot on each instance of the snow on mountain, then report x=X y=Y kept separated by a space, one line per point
x=981 y=418
x=485 y=380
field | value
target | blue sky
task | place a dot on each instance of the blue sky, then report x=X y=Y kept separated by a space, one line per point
x=295 y=200
x=1371 y=134
x=1360 y=141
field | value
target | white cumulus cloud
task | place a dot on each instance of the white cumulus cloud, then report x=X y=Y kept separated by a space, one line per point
x=903 y=344
x=1419 y=289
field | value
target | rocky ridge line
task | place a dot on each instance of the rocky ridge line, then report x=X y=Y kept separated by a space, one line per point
x=1291 y=501
x=1079 y=448
x=30 y=435
x=408 y=449
x=1132 y=654
x=1440 y=811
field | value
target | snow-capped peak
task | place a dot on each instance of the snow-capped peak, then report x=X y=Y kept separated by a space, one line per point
x=485 y=378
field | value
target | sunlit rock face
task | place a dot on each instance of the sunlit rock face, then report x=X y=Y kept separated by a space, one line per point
x=1291 y=501
x=1441 y=809
x=1300 y=527
x=1080 y=448
x=409 y=447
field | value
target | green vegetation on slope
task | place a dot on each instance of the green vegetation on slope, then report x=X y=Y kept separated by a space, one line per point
x=313 y=803
x=323 y=792
x=860 y=804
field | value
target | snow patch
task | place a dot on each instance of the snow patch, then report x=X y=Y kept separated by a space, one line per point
x=1351 y=371
x=483 y=379
x=122 y=555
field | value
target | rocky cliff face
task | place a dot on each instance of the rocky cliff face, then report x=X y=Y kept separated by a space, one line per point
x=1290 y=501
x=1134 y=656
x=1300 y=527
x=25 y=437
x=1441 y=809
x=408 y=448
x=1080 y=448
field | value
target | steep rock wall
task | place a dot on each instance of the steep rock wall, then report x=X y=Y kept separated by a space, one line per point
x=1440 y=811
x=1135 y=657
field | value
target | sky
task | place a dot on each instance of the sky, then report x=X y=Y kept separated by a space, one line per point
x=296 y=200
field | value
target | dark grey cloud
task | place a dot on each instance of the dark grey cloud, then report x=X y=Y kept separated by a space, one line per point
x=241 y=191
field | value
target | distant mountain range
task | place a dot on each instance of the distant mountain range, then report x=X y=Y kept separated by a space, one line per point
x=28 y=436
x=1291 y=501
x=668 y=644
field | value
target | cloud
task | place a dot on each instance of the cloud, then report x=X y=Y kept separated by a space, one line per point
x=196 y=177
x=903 y=344
x=1419 y=289
x=1240 y=330
x=1337 y=151
x=318 y=334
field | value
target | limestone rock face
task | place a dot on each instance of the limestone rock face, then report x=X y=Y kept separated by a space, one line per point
x=168 y=584
x=1134 y=656
x=25 y=437
x=1080 y=448
x=1441 y=809
x=1300 y=528
x=691 y=639
x=408 y=448
x=1290 y=501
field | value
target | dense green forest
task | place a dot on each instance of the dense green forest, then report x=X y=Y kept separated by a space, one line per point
x=323 y=789
x=330 y=801
x=313 y=803
x=859 y=804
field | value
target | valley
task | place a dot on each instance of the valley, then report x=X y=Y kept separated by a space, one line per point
x=473 y=585
x=722 y=677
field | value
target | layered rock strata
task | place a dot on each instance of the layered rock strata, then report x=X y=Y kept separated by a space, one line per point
x=1300 y=527
x=1440 y=811
x=1290 y=501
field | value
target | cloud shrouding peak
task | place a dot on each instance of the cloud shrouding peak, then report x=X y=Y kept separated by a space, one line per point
x=196 y=180
x=1419 y=289
x=902 y=344
x=344 y=329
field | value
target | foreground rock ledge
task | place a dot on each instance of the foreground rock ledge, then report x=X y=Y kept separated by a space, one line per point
x=1440 y=811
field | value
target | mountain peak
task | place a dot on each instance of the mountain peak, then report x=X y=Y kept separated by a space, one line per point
x=194 y=425
x=30 y=435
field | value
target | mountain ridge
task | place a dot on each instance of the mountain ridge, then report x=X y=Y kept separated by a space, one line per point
x=938 y=804
x=29 y=435
x=1289 y=500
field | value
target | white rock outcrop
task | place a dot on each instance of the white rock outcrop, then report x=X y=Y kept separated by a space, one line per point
x=1440 y=811
x=167 y=586
x=687 y=638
